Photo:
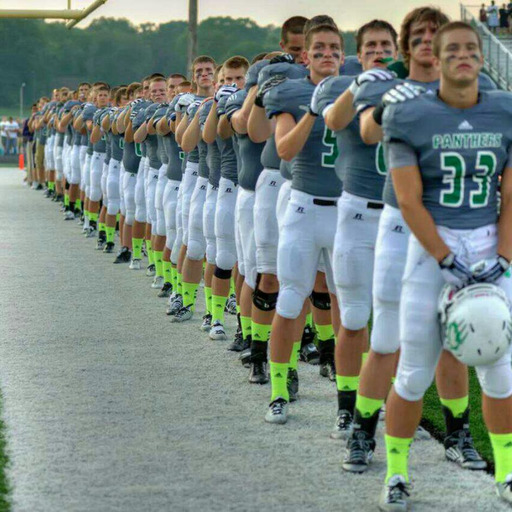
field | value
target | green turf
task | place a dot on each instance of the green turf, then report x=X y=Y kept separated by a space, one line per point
x=432 y=413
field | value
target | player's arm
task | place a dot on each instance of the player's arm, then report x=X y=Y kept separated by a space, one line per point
x=78 y=123
x=210 y=125
x=370 y=131
x=122 y=120
x=105 y=123
x=128 y=132
x=240 y=118
x=162 y=127
x=505 y=220
x=340 y=115
x=96 y=134
x=181 y=127
x=151 y=126
x=224 y=129
x=191 y=135
x=291 y=136
x=141 y=133
x=409 y=194
x=259 y=126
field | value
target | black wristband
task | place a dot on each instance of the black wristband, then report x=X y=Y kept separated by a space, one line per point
x=377 y=114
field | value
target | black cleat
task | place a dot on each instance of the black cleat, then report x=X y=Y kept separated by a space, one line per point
x=309 y=354
x=109 y=247
x=360 y=448
x=459 y=448
x=292 y=383
x=258 y=373
x=245 y=357
x=124 y=256
x=102 y=240
x=328 y=370
x=165 y=291
x=238 y=343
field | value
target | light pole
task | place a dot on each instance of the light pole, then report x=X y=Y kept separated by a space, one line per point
x=21 y=99
x=192 y=33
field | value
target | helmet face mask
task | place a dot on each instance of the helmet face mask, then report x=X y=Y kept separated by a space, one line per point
x=476 y=323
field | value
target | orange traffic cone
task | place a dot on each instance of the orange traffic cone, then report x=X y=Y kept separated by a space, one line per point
x=21 y=162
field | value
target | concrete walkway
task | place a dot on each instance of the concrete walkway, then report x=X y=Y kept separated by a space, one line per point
x=110 y=407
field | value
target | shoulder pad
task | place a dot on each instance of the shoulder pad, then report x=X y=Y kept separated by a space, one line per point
x=485 y=83
x=251 y=77
x=331 y=90
x=292 y=71
x=283 y=97
x=401 y=120
x=370 y=93
x=351 y=66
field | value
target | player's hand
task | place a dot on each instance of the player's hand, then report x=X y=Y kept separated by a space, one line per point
x=266 y=86
x=137 y=101
x=372 y=75
x=284 y=57
x=184 y=101
x=490 y=270
x=225 y=90
x=455 y=272
x=313 y=106
x=192 y=106
x=402 y=92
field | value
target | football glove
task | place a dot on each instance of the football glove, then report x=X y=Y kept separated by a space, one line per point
x=455 y=272
x=313 y=106
x=372 y=75
x=184 y=101
x=490 y=270
x=192 y=106
x=398 y=94
x=284 y=57
x=225 y=90
x=266 y=86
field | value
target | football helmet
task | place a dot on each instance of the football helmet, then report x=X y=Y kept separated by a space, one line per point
x=476 y=323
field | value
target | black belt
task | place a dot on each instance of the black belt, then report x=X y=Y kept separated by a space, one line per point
x=374 y=206
x=323 y=202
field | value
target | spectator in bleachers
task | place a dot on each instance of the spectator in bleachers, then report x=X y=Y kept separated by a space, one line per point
x=482 y=16
x=493 y=17
x=504 y=22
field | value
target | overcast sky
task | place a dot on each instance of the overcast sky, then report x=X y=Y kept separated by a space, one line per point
x=349 y=14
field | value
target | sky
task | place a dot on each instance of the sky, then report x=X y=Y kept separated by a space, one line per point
x=348 y=14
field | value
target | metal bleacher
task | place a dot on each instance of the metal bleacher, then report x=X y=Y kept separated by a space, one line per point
x=497 y=49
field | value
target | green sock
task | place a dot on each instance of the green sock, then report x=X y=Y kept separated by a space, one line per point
x=51 y=185
x=87 y=214
x=111 y=232
x=208 y=299
x=102 y=226
x=260 y=332
x=364 y=357
x=324 y=332
x=347 y=383
x=397 y=449
x=66 y=200
x=167 y=271
x=174 y=277
x=237 y=307
x=218 y=305
x=180 y=283
x=137 y=248
x=150 y=252
x=294 y=358
x=309 y=320
x=118 y=216
x=502 y=449
x=367 y=407
x=93 y=217
x=78 y=205
x=457 y=406
x=245 y=321
x=278 y=378
x=189 y=294
x=157 y=255
x=232 y=289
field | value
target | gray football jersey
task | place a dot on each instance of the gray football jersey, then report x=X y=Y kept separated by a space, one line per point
x=131 y=159
x=198 y=154
x=213 y=156
x=228 y=156
x=292 y=71
x=460 y=154
x=175 y=155
x=249 y=151
x=100 y=146
x=269 y=157
x=286 y=169
x=354 y=161
x=351 y=66
x=251 y=77
x=313 y=168
x=117 y=142
x=151 y=141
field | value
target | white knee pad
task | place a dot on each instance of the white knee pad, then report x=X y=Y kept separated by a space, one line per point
x=159 y=224
x=496 y=379
x=209 y=223
x=140 y=195
x=122 y=206
x=196 y=243
x=114 y=200
x=129 y=182
x=58 y=162
x=178 y=241
x=411 y=384
x=170 y=203
x=96 y=175
x=196 y=247
x=150 y=195
x=74 y=177
x=289 y=302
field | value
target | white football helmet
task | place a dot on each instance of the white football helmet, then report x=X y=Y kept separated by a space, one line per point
x=476 y=323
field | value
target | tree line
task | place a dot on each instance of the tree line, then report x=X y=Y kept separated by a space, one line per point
x=45 y=55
